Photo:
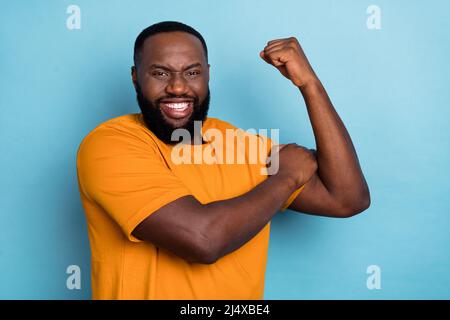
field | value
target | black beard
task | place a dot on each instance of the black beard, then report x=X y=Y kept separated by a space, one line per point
x=155 y=121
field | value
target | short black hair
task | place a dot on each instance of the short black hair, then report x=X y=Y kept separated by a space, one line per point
x=164 y=26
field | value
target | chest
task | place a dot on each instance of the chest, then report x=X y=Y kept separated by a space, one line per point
x=211 y=177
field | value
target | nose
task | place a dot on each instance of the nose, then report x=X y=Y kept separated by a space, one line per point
x=177 y=85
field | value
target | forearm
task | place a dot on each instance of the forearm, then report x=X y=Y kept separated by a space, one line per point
x=202 y=233
x=235 y=221
x=338 y=166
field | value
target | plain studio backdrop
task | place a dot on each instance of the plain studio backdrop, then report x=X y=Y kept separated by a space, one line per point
x=384 y=64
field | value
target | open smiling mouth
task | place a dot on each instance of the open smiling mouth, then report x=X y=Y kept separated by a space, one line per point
x=177 y=110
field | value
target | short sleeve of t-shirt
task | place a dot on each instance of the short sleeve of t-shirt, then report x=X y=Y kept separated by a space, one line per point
x=270 y=143
x=125 y=175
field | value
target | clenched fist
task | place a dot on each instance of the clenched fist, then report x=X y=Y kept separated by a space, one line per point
x=287 y=56
x=295 y=162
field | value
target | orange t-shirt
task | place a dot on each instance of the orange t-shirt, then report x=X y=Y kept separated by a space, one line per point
x=126 y=173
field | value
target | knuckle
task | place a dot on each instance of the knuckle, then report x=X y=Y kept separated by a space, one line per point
x=291 y=49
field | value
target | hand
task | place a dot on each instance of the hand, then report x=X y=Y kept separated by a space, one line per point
x=287 y=56
x=296 y=162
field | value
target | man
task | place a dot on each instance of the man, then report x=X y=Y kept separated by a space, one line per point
x=159 y=229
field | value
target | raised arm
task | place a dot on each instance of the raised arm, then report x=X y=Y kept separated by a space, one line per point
x=204 y=233
x=338 y=189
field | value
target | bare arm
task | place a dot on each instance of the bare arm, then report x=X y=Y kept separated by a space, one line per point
x=204 y=233
x=338 y=188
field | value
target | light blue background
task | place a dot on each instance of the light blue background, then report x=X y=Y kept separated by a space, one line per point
x=390 y=86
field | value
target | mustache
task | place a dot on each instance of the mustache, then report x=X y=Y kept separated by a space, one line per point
x=145 y=101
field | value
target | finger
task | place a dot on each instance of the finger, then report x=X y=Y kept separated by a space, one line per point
x=263 y=56
x=274 y=46
x=289 y=144
x=277 y=40
x=284 y=44
x=278 y=147
x=270 y=59
x=275 y=57
x=281 y=45
x=284 y=40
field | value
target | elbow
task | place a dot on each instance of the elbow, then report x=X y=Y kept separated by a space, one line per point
x=206 y=255
x=207 y=239
x=206 y=250
x=213 y=250
x=209 y=258
x=200 y=254
x=355 y=206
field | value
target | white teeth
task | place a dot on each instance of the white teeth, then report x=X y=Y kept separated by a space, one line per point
x=178 y=106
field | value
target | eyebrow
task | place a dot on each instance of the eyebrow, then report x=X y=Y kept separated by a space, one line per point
x=159 y=66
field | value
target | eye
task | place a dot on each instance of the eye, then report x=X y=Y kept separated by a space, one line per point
x=160 y=74
x=192 y=73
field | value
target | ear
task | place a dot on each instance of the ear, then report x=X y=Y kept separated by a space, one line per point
x=134 y=76
x=208 y=70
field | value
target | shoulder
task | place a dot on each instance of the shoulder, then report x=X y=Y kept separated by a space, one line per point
x=113 y=135
x=129 y=123
x=223 y=126
x=215 y=123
